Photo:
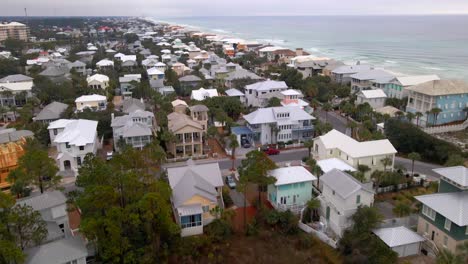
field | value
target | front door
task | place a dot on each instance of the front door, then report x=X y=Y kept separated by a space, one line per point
x=432 y=235
x=327 y=214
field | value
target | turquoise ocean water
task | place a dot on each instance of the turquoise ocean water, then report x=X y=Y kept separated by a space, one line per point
x=403 y=44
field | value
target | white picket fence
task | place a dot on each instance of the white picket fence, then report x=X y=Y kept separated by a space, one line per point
x=322 y=236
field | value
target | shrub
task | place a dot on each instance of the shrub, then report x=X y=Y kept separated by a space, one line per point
x=227 y=197
x=219 y=230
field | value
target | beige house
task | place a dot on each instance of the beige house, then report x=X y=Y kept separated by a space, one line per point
x=188 y=134
x=93 y=102
x=335 y=144
x=179 y=106
x=199 y=113
x=98 y=81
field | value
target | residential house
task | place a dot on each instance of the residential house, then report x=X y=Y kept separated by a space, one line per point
x=343 y=73
x=373 y=154
x=202 y=93
x=98 y=81
x=199 y=113
x=74 y=139
x=149 y=63
x=67 y=250
x=56 y=74
x=365 y=79
x=189 y=82
x=135 y=129
x=156 y=77
x=397 y=87
x=188 y=136
x=450 y=96
x=51 y=112
x=105 y=64
x=309 y=65
x=375 y=98
x=180 y=68
x=127 y=83
x=94 y=102
x=443 y=218
x=327 y=165
x=237 y=94
x=11 y=149
x=179 y=106
x=255 y=93
x=166 y=90
x=196 y=191
x=129 y=61
x=79 y=67
x=15 y=89
x=388 y=110
x=236 y=73
x=341 y=195
x=400 y=239
x=293 y=97
x=292 y=189
x=280 y=124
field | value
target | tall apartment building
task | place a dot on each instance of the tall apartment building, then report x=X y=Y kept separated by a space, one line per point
x=14 y=30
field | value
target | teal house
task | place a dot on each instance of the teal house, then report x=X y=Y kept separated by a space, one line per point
x=444 y=215
x=292 y=189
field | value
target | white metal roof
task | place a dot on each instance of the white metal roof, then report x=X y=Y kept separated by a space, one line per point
x=350 y=69
x=416 y=79
x=154 y=71
x=453 y=206
x=202 y=93
x=398 y=236
x=356 y=149
x=372 y=74
x=291 y=92
x=19 y=86
x=268 y=115
x=104 y=63
x=192 y=209
x=293 y=174
x=77 y=132
x=370 y=94
x=457 y=174
x=267 y=85
x=178 y=102
x=90 y=98
x=234 y=92
x=334 y=163
x=342 y=183
x=98 y=78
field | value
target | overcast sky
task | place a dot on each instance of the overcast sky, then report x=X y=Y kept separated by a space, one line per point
x=175 y=8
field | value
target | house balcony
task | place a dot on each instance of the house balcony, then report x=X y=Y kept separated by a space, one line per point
x=302 y=128
x=294 y=208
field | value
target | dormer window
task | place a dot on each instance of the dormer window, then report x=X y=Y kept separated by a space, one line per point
x=67 y=145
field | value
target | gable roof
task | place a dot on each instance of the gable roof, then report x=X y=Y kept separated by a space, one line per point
x=17 y=86
x=342 y=183
x=334 y=163
x=453 y=206
x=192 y=179
x=201 y=93
x=351 y=69
x=441 y=87
x=356 y=149
x=51 y=111
x=398 y=236
x=154 y=71
x=234 y=92
x=44 y=201
x=457 y=174
x=267 y=85
x=176 y=121
x=90 y=98
x=369 y=94
x=16 y=78
x=132 y=104
x=98 y=78
x=177 y=102
x=372 y=74
x=199 y=108
x=189 y=78
x=292 y=174
x=78 y=132
x=415 y=79
x=60 y=251
x=268 y=115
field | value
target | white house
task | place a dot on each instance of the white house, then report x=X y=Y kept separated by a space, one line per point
x=335 y=144
x=105 y=64
x=375 y=98
x=94 y=102
x=233 y=92
x=15 y=93
x=400 y=239
x=256 y=93
x=156 y=77
x=341 y=196
x=280 y=124
x=98 y=81
x=73 y=139
x=364 y=80
x=135 y=129
x=202 y=93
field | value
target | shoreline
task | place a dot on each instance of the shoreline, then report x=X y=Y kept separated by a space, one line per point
x=392 y=65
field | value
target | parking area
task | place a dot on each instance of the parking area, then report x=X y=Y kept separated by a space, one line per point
x=237 y=197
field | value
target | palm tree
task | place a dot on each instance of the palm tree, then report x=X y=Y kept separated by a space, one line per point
x=315 y=169
x=410 y=116
x=399 y=115
x=363 y=169
x=327 y=107
x=352 y=125
x=3 y=111
x=313 y=205
x=436 y=111
x=309 y=144
x=386 y=161
x=233 y=144
x=418 y=115
x=413 y=156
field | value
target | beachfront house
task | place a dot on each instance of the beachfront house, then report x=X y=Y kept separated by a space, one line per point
x=372 y=153
x=341 y=195
x=94 y=102
x=397 y=87
x=450 y=96
x=74 y=139
x=343 y=73
x=196 y=191
x=292 y=189
x=256 y=94
x=280 y=124
x=365 y=79
x=375 y=98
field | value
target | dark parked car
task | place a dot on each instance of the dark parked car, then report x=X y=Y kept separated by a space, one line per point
x=272 y=151
x=230 y=182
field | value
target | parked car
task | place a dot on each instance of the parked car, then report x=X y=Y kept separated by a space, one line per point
x=272 y=151
x=230 y=182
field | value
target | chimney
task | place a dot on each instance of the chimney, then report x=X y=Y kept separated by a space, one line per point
x=299 y=51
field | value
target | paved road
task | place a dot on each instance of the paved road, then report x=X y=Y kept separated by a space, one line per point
x=337 y=121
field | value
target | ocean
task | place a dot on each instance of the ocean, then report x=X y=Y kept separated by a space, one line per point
x=402 y=44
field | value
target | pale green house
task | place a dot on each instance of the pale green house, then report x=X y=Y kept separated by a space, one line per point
x=292 y=189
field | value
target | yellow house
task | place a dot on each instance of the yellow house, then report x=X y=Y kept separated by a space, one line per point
x=188 y=134
x=196 y=192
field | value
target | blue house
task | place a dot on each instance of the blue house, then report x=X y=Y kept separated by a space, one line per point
x=292 y=189
x=451 y=96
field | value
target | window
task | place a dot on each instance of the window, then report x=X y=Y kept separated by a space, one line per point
x=426 y=229
x=81 y=147
x=62 y=227
x=358 y=199
x=431 y=214
x=55 y=132
x=78 y=161
x=190 y=221
x=447 y=224
x=445 y=241
x=67 y=145
x=206 y=208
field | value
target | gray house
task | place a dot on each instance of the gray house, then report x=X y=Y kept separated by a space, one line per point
x=51 y=112
x=56 y=74
x=190 y=82
x=79 y=67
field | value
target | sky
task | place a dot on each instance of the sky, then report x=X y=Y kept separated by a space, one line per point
x=180 y=8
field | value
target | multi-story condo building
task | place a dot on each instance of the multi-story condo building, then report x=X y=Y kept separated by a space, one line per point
x=450 y=96
x=335 y=144
x=279 y=124
x=255 y=94
x=74 y=139
x=443 y=219
x=14 y=30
